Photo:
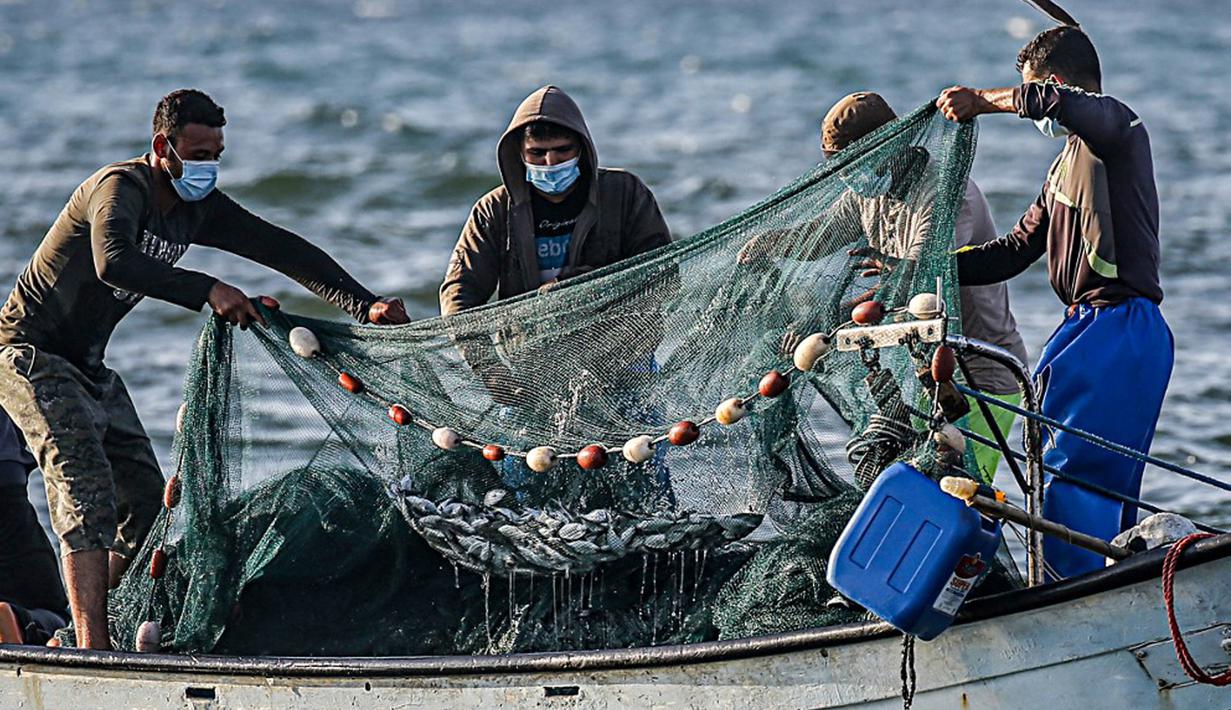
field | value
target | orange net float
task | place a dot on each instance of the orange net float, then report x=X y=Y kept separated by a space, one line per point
x=350 y=383
x=399 y=414
x=171 y=492
x=493 y=452
x=944 y=362
x=683 y=433
x=868 y=313
x=158 y=564
x=772 y=384
x=592 y=457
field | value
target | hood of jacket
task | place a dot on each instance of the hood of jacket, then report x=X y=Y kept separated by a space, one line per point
x=552 y=105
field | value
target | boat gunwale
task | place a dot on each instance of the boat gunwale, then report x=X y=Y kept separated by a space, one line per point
x=1136 y=569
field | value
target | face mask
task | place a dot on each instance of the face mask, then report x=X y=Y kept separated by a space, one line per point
x=197 y=180
x=553 y=179
x=1051 y=128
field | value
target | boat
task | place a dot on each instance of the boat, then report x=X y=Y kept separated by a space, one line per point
x=1100 y=640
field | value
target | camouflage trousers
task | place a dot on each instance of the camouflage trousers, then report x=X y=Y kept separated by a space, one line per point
x=104 y=486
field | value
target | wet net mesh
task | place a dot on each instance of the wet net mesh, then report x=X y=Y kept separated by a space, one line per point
x=310 y=522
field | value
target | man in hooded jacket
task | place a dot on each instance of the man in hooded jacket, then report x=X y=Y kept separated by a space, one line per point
x=556 y=213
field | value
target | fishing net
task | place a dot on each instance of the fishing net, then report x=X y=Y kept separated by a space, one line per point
x=327 y=506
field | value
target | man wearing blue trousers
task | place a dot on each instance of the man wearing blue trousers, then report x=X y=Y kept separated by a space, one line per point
x=1105 y=369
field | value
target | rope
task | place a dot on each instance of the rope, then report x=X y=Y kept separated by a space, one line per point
x=908 y=671
x=888 y=433
x=1115 y=495
x=1189 y=665
x=1094 y=439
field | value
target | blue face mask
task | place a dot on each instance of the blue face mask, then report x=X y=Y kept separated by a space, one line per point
x=197 y=180
x=1051 y=128
x=553 y=179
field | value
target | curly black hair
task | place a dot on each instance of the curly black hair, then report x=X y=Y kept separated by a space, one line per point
x=183 y=106
x=1066 y=51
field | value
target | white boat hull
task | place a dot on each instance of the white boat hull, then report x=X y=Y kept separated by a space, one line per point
x=1080 y=650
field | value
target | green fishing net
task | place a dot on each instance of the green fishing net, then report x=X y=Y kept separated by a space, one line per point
x=311 y=522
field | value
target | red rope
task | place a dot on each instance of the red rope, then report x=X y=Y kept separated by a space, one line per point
x=1189 y=665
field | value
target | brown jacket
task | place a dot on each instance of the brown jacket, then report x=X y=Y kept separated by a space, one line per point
x=496 y=251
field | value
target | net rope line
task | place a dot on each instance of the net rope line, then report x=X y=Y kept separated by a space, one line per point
x=1094 y=487
x=1095 y=439
x=788 y=371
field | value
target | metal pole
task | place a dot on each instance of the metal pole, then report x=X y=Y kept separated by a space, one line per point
x=964 y=489
x=1032 y=442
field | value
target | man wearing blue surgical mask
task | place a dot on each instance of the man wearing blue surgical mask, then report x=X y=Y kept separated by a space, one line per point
x=1106 y=367
x=557 y=214
x=115 y=242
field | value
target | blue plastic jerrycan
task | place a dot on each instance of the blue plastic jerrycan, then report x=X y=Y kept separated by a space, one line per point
x=912 y=552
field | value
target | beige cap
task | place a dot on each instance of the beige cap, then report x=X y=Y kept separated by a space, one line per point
x=852 y=118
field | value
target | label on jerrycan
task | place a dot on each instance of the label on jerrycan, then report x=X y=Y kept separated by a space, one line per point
x=968 y=569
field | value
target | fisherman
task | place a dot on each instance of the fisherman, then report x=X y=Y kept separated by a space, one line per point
x=555 y=216
x=1105 y=369
x=32 y=601
x=116 y=241
x=895 y=233
x=986 y=314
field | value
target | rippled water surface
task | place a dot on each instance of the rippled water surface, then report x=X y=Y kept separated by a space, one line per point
x=370 y=127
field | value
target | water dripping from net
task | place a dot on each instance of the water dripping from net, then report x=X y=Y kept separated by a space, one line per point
x=555 y=616
x=654 y=613
x=487 y=606
x=512 y=586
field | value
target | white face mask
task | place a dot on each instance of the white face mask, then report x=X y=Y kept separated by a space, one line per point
x=197 y=179
x=1051 y=128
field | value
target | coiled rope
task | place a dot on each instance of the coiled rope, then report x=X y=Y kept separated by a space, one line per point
x=1187 y=662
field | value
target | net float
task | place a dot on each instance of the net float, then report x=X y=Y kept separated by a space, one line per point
x=944 y=362
x=445 y=438
x=925 y=306
x=730 y=411
x=270 y=302
x=949 y=437
x=772 y=384
x=304 y=342
x=541 y=458
x=811 y=349
x=638 y=449
x=592 y=457
x=493 y=452
x=149 y=637
x=868 y=313
x=158 y=563
x=350 y=383
x=171 y=492
x=179 y=416
x=683 y=433
x=53 y=642
x=399 y=414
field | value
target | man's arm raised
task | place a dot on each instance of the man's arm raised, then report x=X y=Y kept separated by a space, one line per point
x=960 y=103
